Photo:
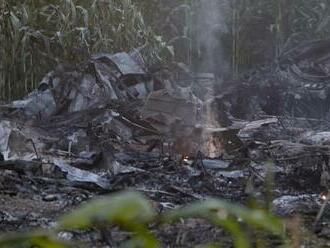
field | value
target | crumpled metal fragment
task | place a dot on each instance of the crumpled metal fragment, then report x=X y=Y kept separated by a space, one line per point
x=78 y=175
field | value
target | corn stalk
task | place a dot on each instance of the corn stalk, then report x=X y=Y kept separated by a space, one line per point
x=36 y=35
x=262 y=29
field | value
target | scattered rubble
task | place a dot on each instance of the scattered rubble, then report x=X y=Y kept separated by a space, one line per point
x=108 y=124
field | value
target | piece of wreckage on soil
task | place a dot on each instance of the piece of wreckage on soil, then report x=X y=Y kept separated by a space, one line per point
x=83 y=116
x=293 y=96
x=108 y=105
x=297 y=84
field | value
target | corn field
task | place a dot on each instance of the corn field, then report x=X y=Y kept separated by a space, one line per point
x=259 y=30
x=36 y=35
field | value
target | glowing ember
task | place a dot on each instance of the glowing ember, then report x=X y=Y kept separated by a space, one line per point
x=185 y=159
x=324 y=196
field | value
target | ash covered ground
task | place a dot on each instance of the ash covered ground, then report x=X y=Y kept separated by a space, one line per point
x=108 y=125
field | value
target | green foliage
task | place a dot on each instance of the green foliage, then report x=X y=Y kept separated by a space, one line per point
x=133 y=212
x=217 y=210
x=121 y=209
x=259 y=30
x=229 y=216
x=36 y=35
x=262 y=29
x=40 y=240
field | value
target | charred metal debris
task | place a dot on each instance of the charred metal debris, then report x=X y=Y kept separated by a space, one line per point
x=108 y=124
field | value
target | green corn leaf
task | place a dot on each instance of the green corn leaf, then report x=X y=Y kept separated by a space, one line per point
x=31 y=240
x=222 y=210
x=124 y=209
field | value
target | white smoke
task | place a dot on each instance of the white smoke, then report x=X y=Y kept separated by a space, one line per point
x=210 y=24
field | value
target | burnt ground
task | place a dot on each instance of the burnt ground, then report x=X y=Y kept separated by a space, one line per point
x=29 y=202
x=280 y=112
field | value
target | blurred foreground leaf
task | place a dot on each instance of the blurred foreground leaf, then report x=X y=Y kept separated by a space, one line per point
x=126 y=208
x=228 y=216
x=39 y=240
x=131 y=211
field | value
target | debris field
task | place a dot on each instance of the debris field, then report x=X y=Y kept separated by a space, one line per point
x=108 y=124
